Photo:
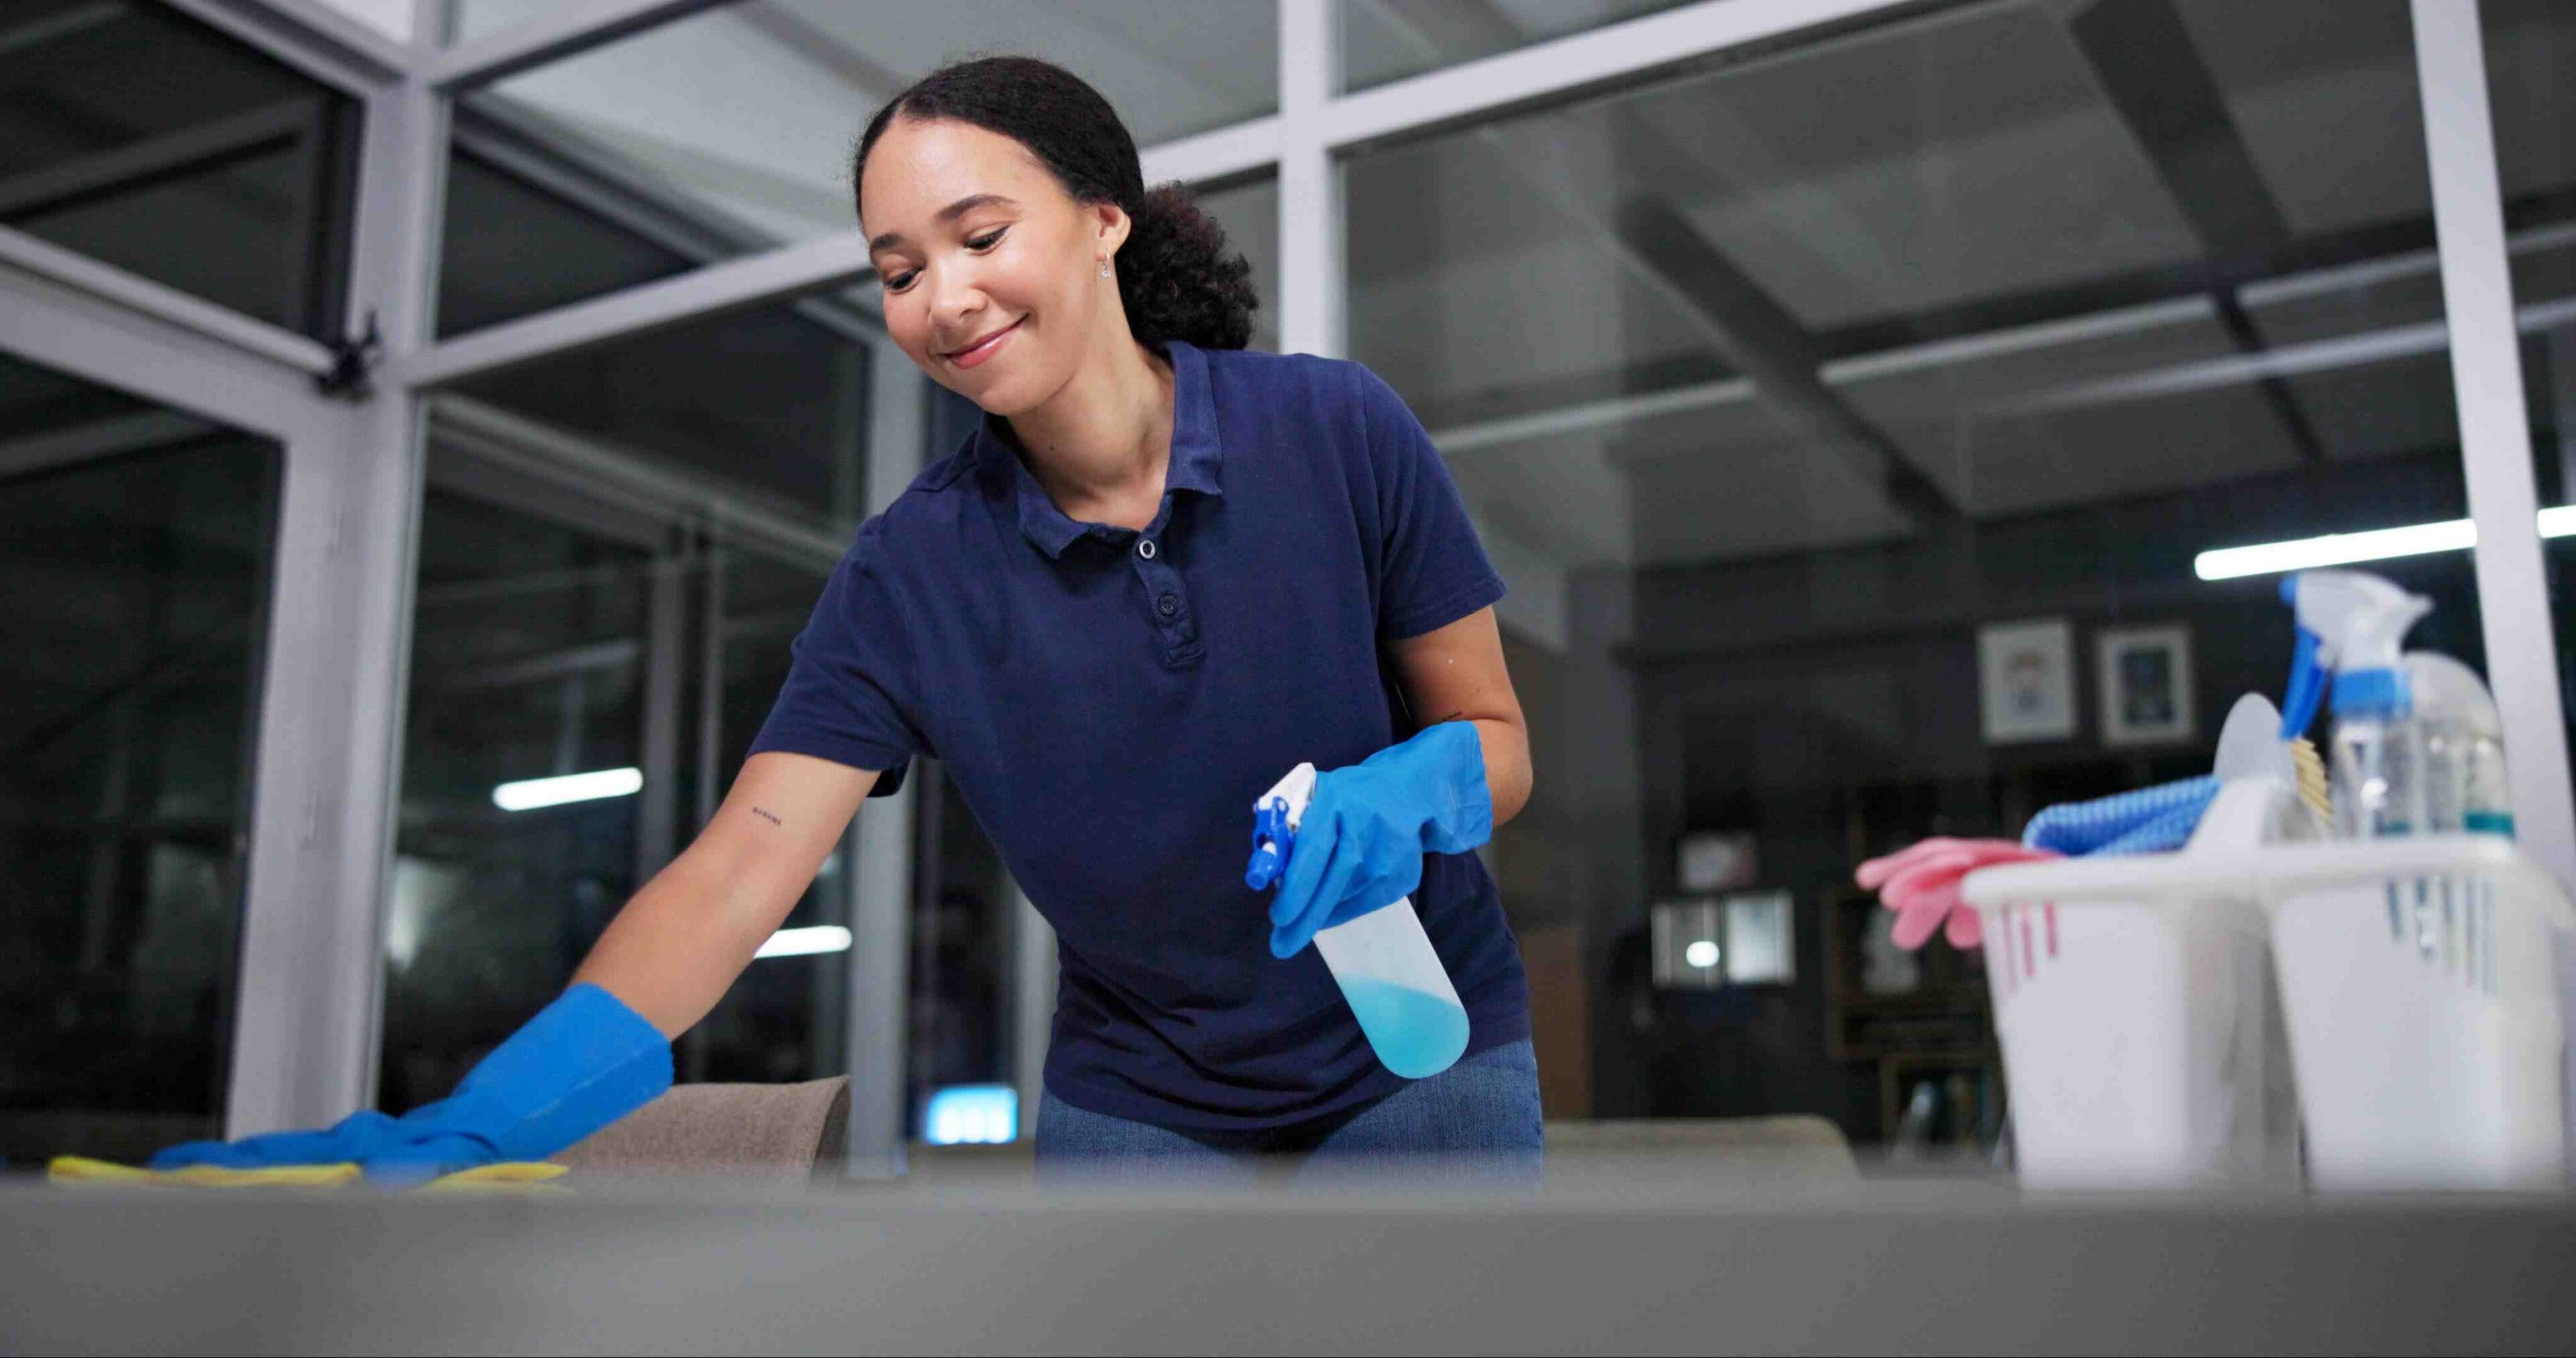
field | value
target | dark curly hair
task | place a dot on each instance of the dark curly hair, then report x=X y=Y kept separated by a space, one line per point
x=1175 y=275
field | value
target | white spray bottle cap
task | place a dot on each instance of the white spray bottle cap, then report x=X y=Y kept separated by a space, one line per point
x=2360 y=622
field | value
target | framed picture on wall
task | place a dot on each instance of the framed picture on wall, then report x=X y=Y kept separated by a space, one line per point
x=2026 y=680
x=2146 y=685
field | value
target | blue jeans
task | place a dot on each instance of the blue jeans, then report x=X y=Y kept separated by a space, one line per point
x=1474 y=1123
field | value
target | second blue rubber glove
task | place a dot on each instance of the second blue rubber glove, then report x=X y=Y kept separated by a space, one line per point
x=1359 y=847
x=583 y=1062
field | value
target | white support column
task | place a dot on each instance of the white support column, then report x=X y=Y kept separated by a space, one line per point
x=881 y=908
x=1032 y=1005
x=2495 y=430
x=1311 y=275
x=304 y=1039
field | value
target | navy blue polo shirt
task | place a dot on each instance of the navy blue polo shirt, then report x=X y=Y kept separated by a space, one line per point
x=1110 y=702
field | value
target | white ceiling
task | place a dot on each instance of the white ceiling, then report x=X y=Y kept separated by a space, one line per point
x=1955 y=159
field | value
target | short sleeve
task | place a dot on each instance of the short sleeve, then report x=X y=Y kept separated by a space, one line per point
x=849 y=689
x=1434 y=571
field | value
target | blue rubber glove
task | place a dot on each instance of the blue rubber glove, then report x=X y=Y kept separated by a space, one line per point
x=583 y=1062
x=1359 y=847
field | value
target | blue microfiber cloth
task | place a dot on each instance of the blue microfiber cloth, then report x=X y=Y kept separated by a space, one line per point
x=2150 y=820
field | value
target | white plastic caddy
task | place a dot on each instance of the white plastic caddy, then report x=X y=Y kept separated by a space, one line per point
x=2143 y=1005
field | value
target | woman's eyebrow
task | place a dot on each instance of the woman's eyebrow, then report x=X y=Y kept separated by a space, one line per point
x=951 y=213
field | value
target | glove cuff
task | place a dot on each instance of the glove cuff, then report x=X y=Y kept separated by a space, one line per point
x=583 y=1062
x=1463 y=814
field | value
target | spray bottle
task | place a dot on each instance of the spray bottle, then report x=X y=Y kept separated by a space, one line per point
x=2463 y=747
x=2359 y=621
x=1384 y=963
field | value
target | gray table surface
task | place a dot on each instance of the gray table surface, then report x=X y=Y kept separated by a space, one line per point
x=1627 y=1261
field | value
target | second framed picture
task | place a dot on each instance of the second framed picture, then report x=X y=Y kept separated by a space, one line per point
x=2146 y=685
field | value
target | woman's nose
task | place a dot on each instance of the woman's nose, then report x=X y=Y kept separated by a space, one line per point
x=954 y=298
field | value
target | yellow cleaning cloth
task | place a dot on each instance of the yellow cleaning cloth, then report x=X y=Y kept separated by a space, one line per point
x=510 y=1176
x=518 y=1176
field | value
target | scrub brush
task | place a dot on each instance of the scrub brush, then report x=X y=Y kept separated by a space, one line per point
x=2311 y=767
x=2298 y=710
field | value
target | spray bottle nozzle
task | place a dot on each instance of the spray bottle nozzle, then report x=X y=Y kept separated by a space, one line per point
x=2359 y=622
x=1272 y=839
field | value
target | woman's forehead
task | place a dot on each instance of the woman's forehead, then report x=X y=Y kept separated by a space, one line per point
x=918 y=168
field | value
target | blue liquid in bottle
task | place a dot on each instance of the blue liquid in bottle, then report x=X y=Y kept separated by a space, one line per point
x=1414 y=1033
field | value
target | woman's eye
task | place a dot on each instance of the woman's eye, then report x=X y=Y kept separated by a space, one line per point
x=979 y=244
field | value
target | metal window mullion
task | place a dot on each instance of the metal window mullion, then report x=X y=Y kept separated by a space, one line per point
x=305 y=1033
x=621 y=475
x=2495 y=430
x=657 y=811
x=718 y=287
x=89 y=333
x=787 y=271
x=879 y=974
x=132 y=293
x=1311 y=273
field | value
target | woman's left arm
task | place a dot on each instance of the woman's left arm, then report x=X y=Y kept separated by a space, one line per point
x=1456 y=673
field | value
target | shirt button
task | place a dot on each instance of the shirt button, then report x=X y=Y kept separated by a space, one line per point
x=1167 y=605
x=1145 y=548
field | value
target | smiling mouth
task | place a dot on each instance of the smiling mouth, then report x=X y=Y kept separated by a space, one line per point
x=985 y=343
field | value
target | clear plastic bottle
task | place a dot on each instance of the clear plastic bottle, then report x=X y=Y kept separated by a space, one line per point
x=1383 y=961
x=2461 y=739
x=2376 y=788
x=2359 y=620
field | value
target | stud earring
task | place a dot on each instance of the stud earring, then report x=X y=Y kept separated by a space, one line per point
x=1104 y=266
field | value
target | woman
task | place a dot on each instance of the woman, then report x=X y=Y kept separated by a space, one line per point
x=1163 y=572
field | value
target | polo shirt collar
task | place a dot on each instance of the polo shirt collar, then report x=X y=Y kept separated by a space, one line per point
x=1196 y=456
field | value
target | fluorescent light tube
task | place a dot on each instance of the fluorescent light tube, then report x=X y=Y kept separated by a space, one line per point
x=529 y=794
x=2343 y=549
x=806 y=941
x=2335 y=549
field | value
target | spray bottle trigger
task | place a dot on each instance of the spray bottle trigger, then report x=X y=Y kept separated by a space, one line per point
x=1272 y=840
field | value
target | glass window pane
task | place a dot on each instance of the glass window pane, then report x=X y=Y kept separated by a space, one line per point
x=474 y=19
x=133 y=134
x=785 y=1019
x=2531 y=61
x=134 y=562
x=527 y=663
x=1384 y=40
x=768 y=404
x=531 y=658
x=730 y=132
x=1250 y=215
x=533 y=644
x=1777 y=389
x=960 y=978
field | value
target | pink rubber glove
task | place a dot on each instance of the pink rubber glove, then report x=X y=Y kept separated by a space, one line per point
x=1921 y=885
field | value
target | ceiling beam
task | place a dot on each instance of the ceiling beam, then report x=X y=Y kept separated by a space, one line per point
x=2144 y=60
x=1643 y=234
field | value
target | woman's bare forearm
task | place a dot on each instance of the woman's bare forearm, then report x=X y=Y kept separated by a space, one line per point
x=680 y=942
x=1507 y=764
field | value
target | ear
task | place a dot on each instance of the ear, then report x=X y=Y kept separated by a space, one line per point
x=1110 y=227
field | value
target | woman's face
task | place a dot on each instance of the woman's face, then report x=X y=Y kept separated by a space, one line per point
x=990 y=270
